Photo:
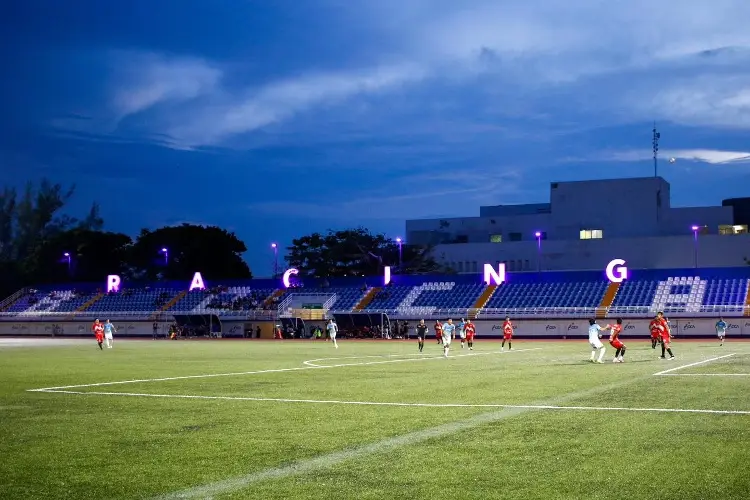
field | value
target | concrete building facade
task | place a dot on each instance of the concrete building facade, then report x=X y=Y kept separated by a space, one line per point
x=588 y=223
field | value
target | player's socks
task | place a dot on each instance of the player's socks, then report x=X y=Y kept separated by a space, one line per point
x=670 y=353
x=510 y=345
x=601 y=354
x=663 y=349
x=593 y=355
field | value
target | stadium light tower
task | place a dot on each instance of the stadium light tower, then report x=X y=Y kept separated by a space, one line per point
x=275 y=259
x=165 y=251
x=695 y=245
x=538 y=236
x=400 y=253
x=67 y=258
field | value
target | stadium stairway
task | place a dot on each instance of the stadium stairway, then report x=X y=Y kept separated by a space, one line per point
x=747 y=299
x=275 y=295
x=482 y=300
x=371 y=293
x=96 y=298
x=607 y=300
x=174 y=301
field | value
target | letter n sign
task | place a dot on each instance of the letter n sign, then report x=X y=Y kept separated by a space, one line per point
x=492 y=277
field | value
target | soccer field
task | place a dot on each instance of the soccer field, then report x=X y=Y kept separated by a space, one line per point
x=372 y=420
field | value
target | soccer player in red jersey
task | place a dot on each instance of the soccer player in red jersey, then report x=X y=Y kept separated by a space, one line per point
x=655 y=327
x=614 y=341
x=470 y=331
x=666 y=335
x=507 y=334
x=98 y=329
x=439 y=331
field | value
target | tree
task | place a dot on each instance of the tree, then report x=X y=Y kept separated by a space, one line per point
x=355 y=252
x=29 y=219
x=91 y=255
x=213 y=251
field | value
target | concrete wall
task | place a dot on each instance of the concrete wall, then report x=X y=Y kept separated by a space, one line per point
x=524 y=329
x=641 y=253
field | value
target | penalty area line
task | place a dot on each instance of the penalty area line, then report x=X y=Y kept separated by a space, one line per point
x=413 y=357
x=256 y=372
x=412 y=405
x=697 y=363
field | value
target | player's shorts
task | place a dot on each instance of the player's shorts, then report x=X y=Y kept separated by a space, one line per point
x=446 y=339
x=462 y=334
x=99 y=337
x=332 y=335
x=721 y=334
x=108 y=336
x=507 y=336
x=596 y=344
x=655 y=335
x=470 y=336
x=617 y=344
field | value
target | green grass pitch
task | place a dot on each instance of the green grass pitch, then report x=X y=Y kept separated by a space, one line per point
x=373 y=420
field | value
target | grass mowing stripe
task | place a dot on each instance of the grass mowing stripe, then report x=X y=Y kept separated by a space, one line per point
x=326 y=461
x=416 y=405
x=258 y=372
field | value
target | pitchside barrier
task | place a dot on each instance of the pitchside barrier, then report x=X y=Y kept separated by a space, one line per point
x=683 y=327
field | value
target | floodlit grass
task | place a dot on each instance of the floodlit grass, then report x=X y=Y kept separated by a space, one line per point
x=320 y=446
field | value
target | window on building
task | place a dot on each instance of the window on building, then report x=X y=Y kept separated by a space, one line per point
x=736 y=229
x=526 y=265
x=515 y=237
x=460 y=267
x=474 y=267
x=462 y=238
x=591 y=234
x=496 y=238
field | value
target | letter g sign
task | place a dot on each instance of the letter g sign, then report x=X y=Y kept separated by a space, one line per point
x=616 y=271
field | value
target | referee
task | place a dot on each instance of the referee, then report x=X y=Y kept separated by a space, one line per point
x=421 y=334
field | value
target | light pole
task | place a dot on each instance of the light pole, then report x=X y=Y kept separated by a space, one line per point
x=67 y=258
x=695 y=245
x=538 y=236
x=400 y=253
x=165 y=251
x=275 y=259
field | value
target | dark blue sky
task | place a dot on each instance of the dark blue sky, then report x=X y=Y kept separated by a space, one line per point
x=276 y=119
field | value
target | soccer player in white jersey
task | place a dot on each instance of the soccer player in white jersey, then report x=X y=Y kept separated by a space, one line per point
x=448 y=330
x=462 y=331
x=595 y=334
x=721 y=330
x=109 y=329
x=333 y=329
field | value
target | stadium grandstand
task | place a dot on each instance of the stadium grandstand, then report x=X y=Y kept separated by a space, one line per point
x=693 y=293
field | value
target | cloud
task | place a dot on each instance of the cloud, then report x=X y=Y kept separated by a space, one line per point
x=432 y=194
x=711 y=156
x=272 y=103
x=519 y=54
x=144 y=80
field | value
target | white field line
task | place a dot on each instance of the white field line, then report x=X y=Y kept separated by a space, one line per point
x=416 y=405
x=258 y=372
x=233 y=484
x=682 y=367
x=409 y=357
x=706 y=375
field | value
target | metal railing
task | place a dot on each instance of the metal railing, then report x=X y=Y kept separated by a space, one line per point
x=13 y=298
x=283 y=305
x=256 y=315
x=405 y=313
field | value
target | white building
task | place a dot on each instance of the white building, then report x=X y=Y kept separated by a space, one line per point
x=588 y=223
